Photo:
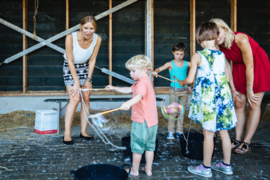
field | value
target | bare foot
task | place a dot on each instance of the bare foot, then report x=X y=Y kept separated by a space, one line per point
x=235 y=144
x=148 y=172
x=67 y=138
x=132 y=173
x=85 y=134
x=243 y=148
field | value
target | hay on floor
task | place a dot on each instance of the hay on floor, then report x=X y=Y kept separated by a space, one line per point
x=26 y=119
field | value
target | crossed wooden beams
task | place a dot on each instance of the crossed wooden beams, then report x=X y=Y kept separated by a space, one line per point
x=56 y=37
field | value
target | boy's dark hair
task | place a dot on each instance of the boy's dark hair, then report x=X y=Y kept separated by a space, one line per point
x=206 y=32
x=179 y=47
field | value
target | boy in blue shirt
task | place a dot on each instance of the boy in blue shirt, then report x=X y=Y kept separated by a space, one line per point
x=178 y=68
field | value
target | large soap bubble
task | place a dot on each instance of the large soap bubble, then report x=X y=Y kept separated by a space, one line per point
x=172 y=110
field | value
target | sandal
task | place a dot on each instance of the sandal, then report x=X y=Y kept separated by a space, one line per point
x=245 y=148
x=236 y=143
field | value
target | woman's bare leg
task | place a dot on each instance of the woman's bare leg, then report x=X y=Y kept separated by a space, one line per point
x=253 y=120
x=240 y=110
x=70 y=111
x=84 y=123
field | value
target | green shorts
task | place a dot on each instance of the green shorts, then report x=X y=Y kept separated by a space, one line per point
x=143 y=138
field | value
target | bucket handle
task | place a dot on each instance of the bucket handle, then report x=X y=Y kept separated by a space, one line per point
x=129 y=167
x=72 y=172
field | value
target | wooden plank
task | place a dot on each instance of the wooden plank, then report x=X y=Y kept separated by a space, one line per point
x=110 y=42
x=67 y=14
x=10 y=71
x=158 y=90
x=64 y=33
x=234 y=15
x=25 y=19
x=192 y=27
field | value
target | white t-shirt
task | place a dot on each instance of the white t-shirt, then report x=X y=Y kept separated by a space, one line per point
x=81 y=55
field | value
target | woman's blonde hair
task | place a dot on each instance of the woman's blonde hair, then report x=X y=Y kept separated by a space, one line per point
x=89 y=18
x=140 y=62
x=229 y=35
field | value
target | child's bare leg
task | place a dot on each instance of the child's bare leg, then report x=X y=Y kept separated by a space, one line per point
x=136 y=159
x=208 y=146
x=226 y=146
x=149 y=157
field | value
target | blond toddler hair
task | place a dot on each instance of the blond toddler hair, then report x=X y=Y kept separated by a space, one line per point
x=140 y=62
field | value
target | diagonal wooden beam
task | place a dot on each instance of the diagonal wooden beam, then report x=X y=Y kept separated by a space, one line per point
x=64 y=33
x=30 y=35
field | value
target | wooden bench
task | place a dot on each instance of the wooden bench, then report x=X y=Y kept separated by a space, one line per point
x=62 y=110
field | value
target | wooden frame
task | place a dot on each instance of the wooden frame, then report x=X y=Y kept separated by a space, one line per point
x=234 y=15
x=64 y=33
x=110 y=42
x=192 y=27
x=233 y=19
x=67 y=14
x=25 y=21
x=149 y=37
x=149 y=40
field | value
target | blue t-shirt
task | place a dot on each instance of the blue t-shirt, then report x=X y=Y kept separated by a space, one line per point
x=179 y=72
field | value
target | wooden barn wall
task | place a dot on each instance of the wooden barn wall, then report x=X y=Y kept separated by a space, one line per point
x=10 y=43
x=171 y=25
x=253 y=18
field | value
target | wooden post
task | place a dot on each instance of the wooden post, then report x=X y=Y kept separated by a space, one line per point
x=192 y=27
x=234 y=15
x=149 y=36
x=25 y=21
x=233 y=19
x=110 y=42
x=67 y=14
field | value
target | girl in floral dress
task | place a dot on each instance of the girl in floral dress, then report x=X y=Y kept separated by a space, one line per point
x=211 y=104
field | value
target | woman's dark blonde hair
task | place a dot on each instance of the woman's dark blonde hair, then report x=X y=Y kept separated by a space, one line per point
x=229 y=36
x=206 y=32
x=87 y=19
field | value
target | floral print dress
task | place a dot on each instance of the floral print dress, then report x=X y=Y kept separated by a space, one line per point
x=212 y=104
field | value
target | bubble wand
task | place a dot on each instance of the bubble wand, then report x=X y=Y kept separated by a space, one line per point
x=105 y=112
x=165 y=78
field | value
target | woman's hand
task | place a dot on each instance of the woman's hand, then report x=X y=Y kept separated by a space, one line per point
x=74 y=90
x=252 y=98
x=235 y=94
x=110 y=88
x=87 y=85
